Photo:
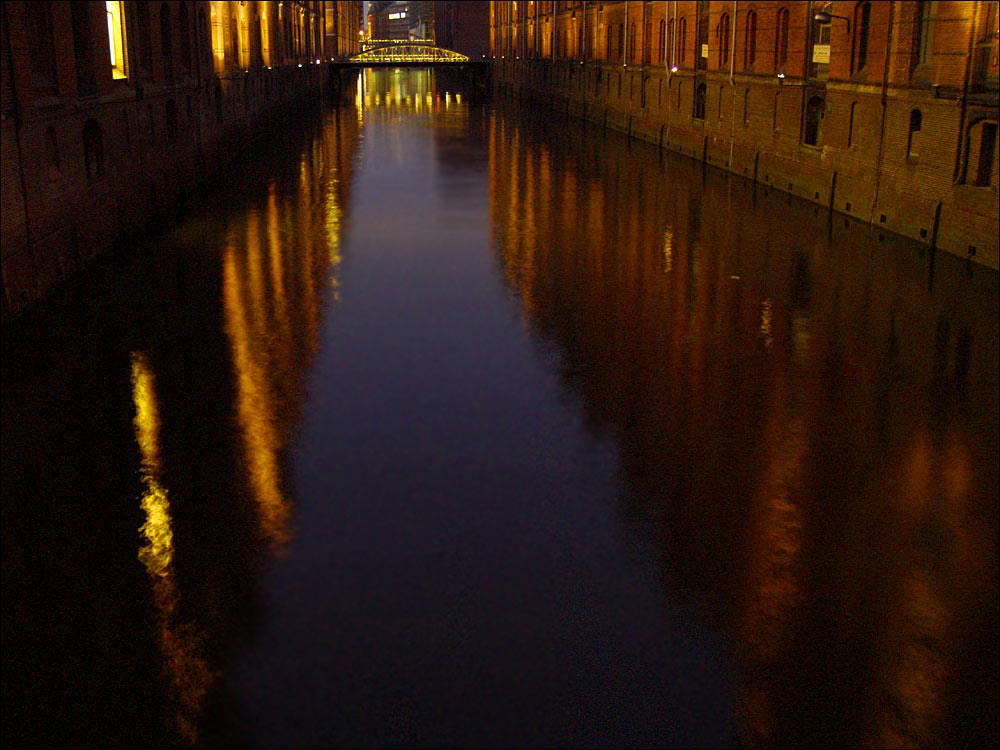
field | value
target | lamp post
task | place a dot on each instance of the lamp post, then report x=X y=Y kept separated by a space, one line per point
x=824 y=17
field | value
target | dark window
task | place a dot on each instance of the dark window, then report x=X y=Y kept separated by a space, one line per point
x=850 y=125
x=145 y=41
x=93 y=150
x=166 y=42
x=723 y=34
x=184 y=30
x=750 y=40
x=699 y=101
x=621 y=41
x=40 y=36
x=631 y=43
x=204 y=38
x=661 y=54
x=682 y=32
x=83 y=49
x=671 y=42
x=814 y=118
x=916 y=122
x=701 y=35
x=171 y=118
x=607 y=44
x=987 y=148
x=781 y=39
x=859 y=44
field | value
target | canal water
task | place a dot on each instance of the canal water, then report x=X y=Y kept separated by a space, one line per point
x=450 y=421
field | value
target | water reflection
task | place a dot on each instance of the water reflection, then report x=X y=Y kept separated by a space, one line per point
x=181 y=642
x=316 y=416
x=186 y=359
x=811 y=446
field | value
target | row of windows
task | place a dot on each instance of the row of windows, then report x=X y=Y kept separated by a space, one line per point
x=175 y=38
x=979 y=148
x=673 y=47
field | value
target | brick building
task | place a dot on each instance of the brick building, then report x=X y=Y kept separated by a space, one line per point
x=885 y=111
x=463 y=26
x=112 y=112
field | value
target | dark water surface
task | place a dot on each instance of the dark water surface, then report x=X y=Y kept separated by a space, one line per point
x=449 y=422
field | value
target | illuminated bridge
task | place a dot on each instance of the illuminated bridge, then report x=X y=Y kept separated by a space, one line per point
x=403 y=54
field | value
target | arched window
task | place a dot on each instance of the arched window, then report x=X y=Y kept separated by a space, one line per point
x=93 y=150
x=671 y=51
x=41 y=45
x=631 y=42
x=701 y=32
x=661 y=54
x=850 y=125
x=145 y=40
x=621 y=41
x=184 y=30
x=921 y=35
x=819 y=58
x=171 y=118
x=859 y=43
x=721 y=91
x=699 y=101
x=814 y=117
x=116 y=39
x=607 y=44
x=166 y=42
x=722 y=33
x=680 y=88
x=647 y=40
x=916 y=122
x=682 y=30
x=750 y=40
x=781 y=39
x=83 y=47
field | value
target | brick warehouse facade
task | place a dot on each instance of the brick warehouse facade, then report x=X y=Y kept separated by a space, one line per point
x=884 y=111
x=112 y=112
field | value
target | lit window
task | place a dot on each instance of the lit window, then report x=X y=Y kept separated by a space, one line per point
x=116 y=44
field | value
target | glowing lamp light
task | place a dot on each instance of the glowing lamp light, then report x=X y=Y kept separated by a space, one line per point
x=781 y=75
x=674 y=68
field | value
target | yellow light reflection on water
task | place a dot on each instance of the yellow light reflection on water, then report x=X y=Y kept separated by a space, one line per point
x=254 y=408
x=180 y=643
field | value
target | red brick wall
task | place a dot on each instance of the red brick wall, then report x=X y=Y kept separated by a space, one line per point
x=864 y=164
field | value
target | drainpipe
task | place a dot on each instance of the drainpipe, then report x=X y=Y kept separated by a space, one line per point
x=965 y=96
x=881 y=134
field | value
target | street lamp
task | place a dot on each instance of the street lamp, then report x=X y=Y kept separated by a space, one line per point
x=823 y=17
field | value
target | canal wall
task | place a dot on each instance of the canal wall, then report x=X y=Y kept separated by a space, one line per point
x=756 y=134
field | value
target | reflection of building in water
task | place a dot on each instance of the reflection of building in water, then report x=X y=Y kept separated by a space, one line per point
x=278 y=268
x=181 y=642
x=765 y=373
